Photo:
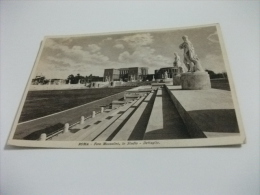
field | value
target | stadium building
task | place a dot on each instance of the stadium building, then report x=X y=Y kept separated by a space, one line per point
x=125 y=74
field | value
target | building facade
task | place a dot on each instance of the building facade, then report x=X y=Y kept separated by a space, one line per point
x=125 y=74
x=111 y=75
x=164 y=72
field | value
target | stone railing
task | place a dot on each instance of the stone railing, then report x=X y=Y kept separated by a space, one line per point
x=65 y=129
x=67 y=116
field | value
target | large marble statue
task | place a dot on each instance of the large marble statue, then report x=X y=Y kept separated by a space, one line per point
x=165 y=75
x=177 y=63
x=190 y=58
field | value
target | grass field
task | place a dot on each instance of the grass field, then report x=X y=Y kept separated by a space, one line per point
x=42 y=103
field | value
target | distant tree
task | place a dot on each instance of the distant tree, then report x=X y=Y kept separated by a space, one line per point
x=71 y=79
x=77 y=78
x=39 y=80
x=213 y=75
x=210 y=72
x=225 y=75
x=90 y=78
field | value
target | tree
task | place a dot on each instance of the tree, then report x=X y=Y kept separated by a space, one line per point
x=70 y=79
x=90 y=78
x=213 y=75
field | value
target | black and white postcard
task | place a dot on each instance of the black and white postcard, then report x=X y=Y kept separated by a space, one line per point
x=140 y=89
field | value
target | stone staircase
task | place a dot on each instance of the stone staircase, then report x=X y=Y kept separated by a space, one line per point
x=165 y=121
x=99 y=123
x=166 y=112
x=136 y=120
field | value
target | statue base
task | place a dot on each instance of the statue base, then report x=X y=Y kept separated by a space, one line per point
x=195 y=80
x=168 y=80
x=176 y=80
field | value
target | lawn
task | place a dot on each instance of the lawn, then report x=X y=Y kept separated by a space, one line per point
x=42 y=103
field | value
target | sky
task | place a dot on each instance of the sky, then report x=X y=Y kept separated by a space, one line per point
x=87 y=55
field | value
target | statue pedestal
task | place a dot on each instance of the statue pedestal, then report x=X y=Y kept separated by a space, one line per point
x=176 y=80
x=195 y=80
x=167 y=81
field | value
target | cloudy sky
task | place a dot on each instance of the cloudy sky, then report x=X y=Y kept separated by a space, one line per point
x=92 y=54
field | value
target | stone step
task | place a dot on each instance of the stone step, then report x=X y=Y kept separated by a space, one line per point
x=219 y=134
x=165 y=121
x=148 y=98
x=61 y=136
x=206 y=113
x=156 y=117
x=81 y=134
x=108 y=132
x=137 y=92
x=76 y=127
x=91 y=120
x=116 y=104
x=129 y=126
x=107 y=124
x=95 y=132
x=136 y=104
x=157 y=85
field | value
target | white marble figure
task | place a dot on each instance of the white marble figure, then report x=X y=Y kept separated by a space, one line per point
x=165 y=75
x=191 y=60
x=177 y=60
x=177 y=64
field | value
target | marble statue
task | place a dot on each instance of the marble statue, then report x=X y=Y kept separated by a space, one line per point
x=190 y=58
x=165 y=75
x=177 y=63
x=177 y=60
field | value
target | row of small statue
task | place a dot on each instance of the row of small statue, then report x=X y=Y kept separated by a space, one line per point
x=191 y=61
